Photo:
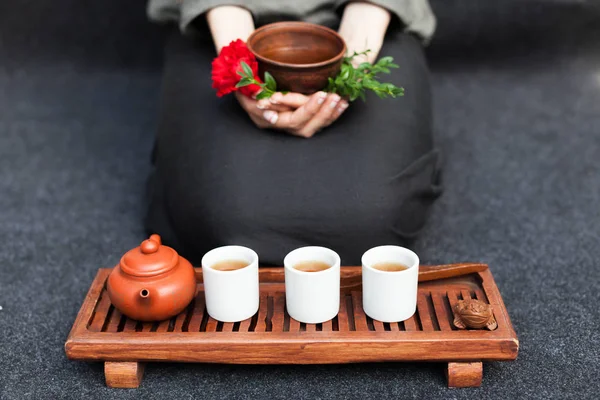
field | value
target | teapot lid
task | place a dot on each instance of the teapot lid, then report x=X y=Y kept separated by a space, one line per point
x=149 y=259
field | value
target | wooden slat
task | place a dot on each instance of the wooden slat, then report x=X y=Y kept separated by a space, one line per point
x=327 y=326
x=311 y=327
x=197 y=314
x=440 y=311
x=360 y=318
x=278 y=311
x=101 y=312
x=378 y=325
x=261 y=325
x=452 y=298
x=479 y=295
x=211 y=325
x=163 y=326
x=227 y=327
x=147 y=326
x=245 y=325
x=410 y=324
x=294 y=325
x=424 y=312
x=343 y=325
x=115 y=319
x=394 y=327
x=466 y=294
x=180 y=320
x=130 y=325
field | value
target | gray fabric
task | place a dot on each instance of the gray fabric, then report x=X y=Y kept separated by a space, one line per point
x=416 y=15
x=517 y=94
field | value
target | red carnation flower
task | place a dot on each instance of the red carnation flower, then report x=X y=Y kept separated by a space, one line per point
x=225 y=69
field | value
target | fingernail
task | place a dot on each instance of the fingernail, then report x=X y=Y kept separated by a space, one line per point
x=260 y=106
x=342 y=107
x=271 y=116
x=321 y=96
x=334 y=101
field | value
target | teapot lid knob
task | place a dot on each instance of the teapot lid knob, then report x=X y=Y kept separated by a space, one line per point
x=151 y=245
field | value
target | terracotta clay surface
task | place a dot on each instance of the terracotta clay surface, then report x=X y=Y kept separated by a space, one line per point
x=102 y=333
x=152 y=282
x=300 y=56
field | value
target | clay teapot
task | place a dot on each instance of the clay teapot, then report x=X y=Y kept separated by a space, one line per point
x=152 y=282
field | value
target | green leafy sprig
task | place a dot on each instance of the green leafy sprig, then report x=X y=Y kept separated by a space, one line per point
x=353 y=83
x=269 y=87
x=350 y=83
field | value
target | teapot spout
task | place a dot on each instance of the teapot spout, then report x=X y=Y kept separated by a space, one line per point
x=144 y=293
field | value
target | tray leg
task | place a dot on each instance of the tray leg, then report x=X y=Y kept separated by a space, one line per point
x=126 y=375
x=464 y=374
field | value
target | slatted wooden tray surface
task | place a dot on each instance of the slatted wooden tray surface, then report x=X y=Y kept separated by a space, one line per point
x=101 y=332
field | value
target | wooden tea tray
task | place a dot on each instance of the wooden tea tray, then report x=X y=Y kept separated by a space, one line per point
x=101 y=333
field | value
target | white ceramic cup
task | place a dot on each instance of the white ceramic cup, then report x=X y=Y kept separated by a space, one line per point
x=312 y=297
x=231 y=296
x=390 y=296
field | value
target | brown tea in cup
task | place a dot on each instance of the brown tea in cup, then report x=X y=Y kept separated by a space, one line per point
x=229 y=265
x=389 y=266
x=312 y=266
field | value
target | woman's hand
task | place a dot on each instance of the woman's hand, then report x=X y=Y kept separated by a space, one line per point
x=363 y=27
x=294 y=113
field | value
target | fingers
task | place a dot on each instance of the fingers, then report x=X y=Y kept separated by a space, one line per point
x=265 y=105
x=262 y=118
x=297 y=119
x=271 y=117
x=331 y=109
x=319 y=111
x=283 y=102
x=293 y=100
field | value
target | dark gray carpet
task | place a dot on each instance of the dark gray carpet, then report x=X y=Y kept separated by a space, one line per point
x=517 y=88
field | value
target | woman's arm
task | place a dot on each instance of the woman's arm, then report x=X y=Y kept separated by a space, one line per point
x=363 y=28
x=228 y=23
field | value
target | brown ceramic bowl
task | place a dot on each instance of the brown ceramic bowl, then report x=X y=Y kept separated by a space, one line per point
x=299 y=55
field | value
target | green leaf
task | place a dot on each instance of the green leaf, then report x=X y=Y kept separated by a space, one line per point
x=369 y=83
x=345 y=74
x=270 y=82
x=244 y=82
x=365 y=66
x=264 y=95
x=247 y=70
x=379 y=94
